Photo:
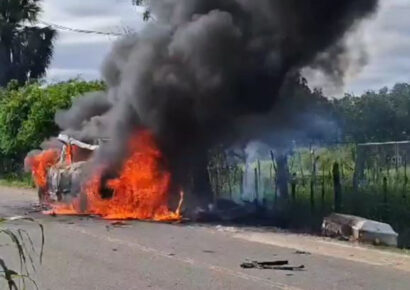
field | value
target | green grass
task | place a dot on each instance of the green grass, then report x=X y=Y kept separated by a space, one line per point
x=17 y=180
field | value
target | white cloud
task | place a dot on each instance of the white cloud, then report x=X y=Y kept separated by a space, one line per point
x=386 y=38
x=388 y=44
x=56 y=74
x=78 y=54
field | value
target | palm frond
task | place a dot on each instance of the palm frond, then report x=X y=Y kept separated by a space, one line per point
x=8 y=275
x=41 y=227
x=26 y=251
x=25 y=49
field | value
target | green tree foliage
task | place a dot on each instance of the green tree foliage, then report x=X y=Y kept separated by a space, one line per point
x=25 y=50
x=376 y=116
x=27 y=114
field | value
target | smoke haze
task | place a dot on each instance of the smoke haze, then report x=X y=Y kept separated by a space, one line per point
x=200 y=73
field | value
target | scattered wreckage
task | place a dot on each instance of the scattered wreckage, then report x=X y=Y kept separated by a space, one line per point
x=353 y=228
x=272 y=265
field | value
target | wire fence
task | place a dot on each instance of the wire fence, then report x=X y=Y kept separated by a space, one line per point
x=320 y=180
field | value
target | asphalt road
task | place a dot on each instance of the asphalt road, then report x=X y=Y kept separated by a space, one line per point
x=88 y=253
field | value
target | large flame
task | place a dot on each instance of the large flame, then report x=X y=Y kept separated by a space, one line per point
x=69 y=154
x=141 y=191
x=40 y=164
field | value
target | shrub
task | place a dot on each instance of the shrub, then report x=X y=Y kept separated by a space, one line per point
x=27 y=115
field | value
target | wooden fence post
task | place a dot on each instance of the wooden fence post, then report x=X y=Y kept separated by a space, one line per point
x=259 y=170
x=256 y=186
x=260 y=184
x=323 y=187
x=359 y=167
x=275 y=181
x=241 y=180
x=313 y=181
x=385 y=205
x=406 y=179
x=229 y=182
x=217 y=184
x=337 y=188
x=293 y=184
x=385 y=190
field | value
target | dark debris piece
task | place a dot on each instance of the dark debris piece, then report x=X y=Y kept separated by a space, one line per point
x=208 y=251
x=302 y=253
x=36 y=208
x=272 y=265
x=118 y=223
x=290 y=268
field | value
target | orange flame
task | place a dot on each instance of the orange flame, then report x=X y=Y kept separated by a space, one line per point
x=141 y=190
x=69 y=154
x=40 y=164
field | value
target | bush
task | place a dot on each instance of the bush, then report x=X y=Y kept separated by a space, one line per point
x=27 y=115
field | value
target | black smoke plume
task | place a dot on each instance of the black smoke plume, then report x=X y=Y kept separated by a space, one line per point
x=202 y=67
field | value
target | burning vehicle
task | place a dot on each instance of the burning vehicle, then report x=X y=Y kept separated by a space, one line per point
x=140 y=190
x=64 y=177
x=57 y=171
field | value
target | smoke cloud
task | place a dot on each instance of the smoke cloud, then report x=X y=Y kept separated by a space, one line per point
x=201 y=72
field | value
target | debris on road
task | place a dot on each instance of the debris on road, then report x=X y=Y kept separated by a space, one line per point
x=303 y=253
x=221 y=228
x=272 y=265
x=208 y=251
x=264 y=265
x=290 y=268
x=118 y=223
x=36 y=208
x=115 y=224
x=348 y=227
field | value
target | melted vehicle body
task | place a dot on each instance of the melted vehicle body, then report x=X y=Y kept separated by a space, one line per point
x=64 y=178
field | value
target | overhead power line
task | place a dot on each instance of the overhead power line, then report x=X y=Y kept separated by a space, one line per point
x=65 y=28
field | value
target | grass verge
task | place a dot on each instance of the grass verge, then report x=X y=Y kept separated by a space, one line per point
x=17 y=180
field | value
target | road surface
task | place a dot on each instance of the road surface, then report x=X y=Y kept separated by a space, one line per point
x=88 y=253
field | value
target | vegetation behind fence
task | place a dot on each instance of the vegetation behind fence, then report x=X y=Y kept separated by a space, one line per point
x=320 y=181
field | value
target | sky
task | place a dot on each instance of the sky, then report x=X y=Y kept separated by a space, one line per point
x=385 y=37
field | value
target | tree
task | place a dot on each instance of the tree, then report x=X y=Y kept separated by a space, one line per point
x=25 y=50
x=375 y=116
x=147 y=13
x=27 y=116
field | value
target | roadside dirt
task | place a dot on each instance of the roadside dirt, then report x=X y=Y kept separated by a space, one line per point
x=306 y=244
